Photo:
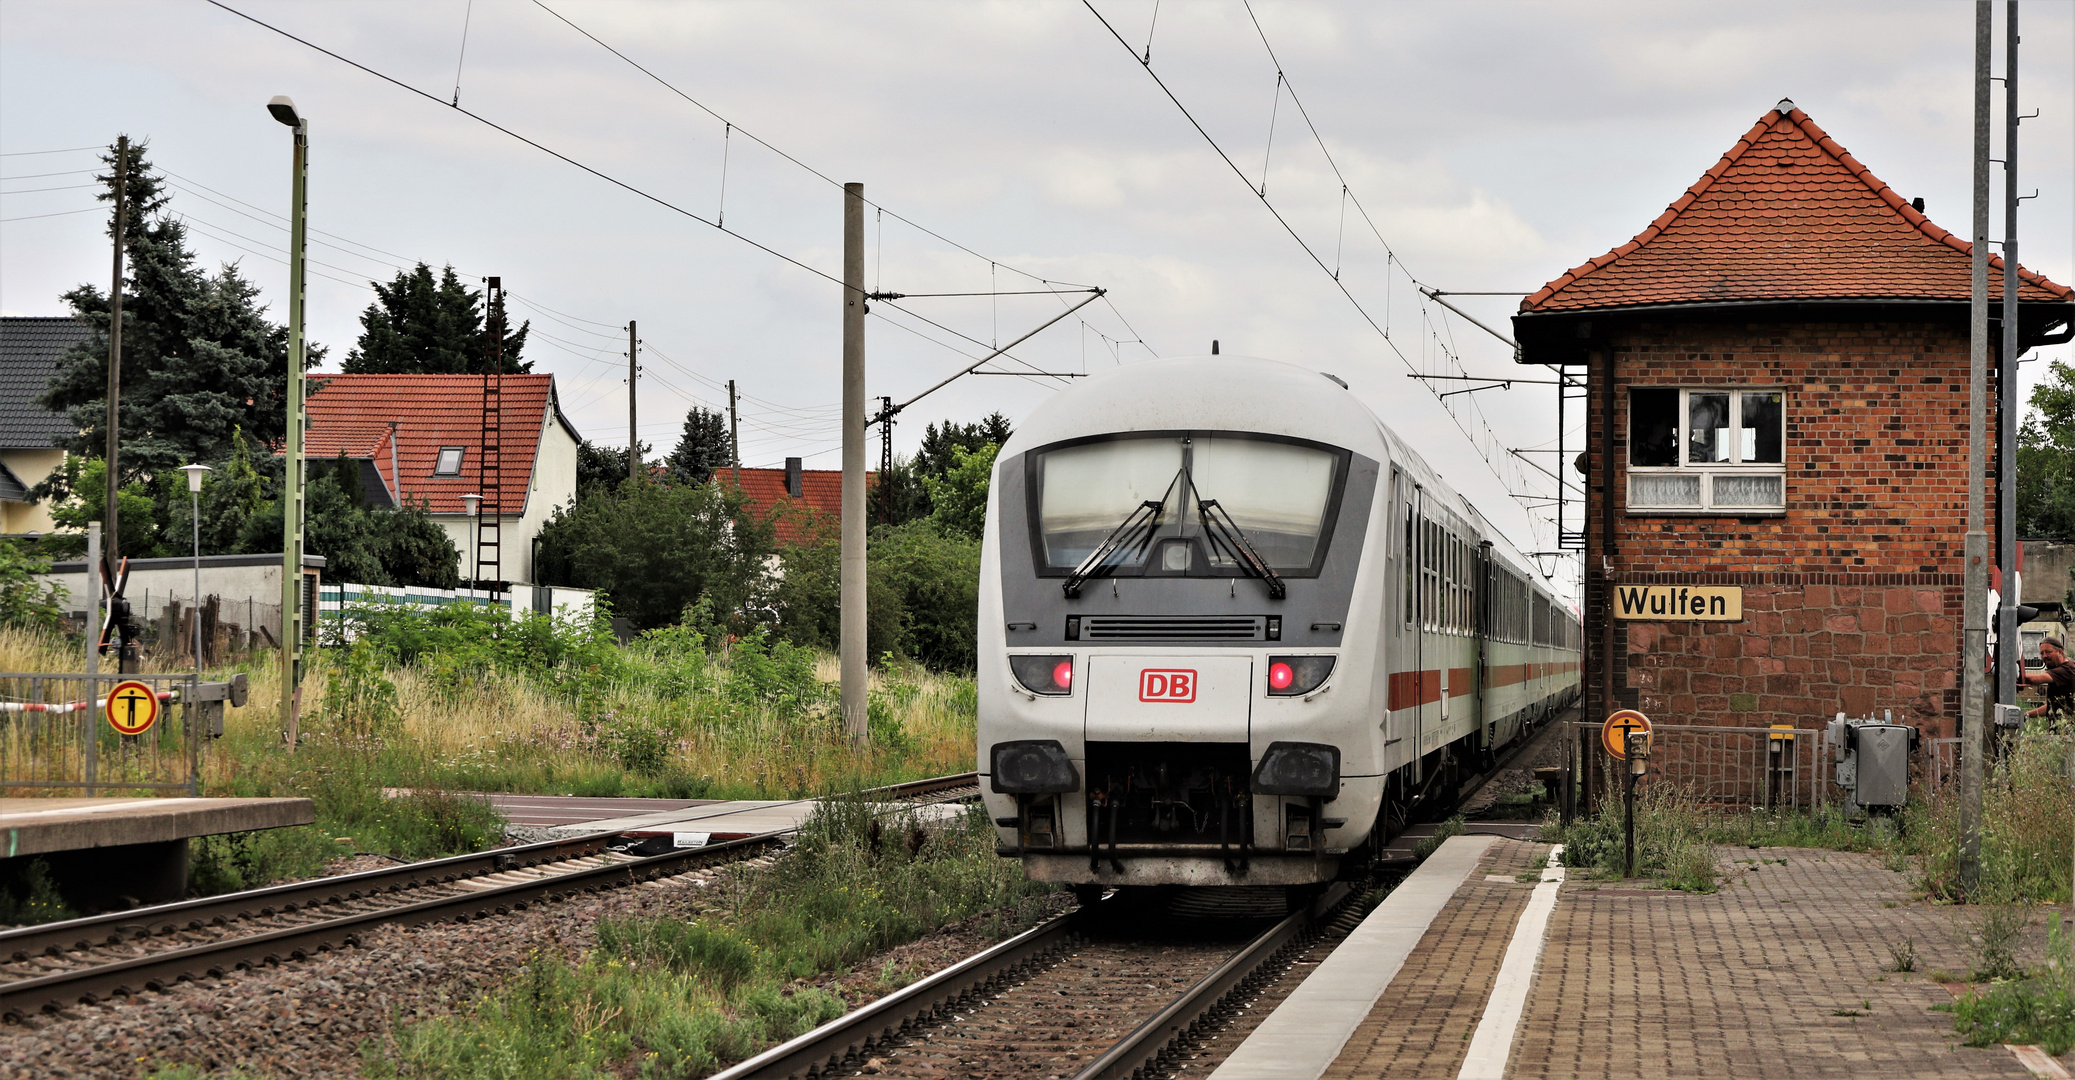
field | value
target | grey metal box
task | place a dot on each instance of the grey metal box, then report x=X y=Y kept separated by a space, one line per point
x=1883 y=753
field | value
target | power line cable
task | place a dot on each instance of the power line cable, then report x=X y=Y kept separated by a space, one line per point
x=600 y=174
x=67 y=150
x=1360 y=308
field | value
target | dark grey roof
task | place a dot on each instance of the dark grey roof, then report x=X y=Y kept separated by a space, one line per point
x=29 y=348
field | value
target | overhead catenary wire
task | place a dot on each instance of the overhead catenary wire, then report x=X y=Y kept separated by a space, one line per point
x=1490 y=457
x=596 y=172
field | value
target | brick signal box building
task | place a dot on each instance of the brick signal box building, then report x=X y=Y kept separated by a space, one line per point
x=1776 y=452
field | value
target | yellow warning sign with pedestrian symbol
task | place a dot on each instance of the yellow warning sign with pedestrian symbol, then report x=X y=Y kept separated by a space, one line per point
x=132 y=708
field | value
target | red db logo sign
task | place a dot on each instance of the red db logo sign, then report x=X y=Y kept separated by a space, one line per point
x=1171 y=685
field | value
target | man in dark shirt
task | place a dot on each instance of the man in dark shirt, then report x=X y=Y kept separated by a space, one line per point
x=2058 y=678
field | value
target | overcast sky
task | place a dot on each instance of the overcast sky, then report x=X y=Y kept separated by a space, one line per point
x=1493 y=145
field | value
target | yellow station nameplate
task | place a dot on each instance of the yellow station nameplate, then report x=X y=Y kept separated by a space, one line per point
x=1713 y=603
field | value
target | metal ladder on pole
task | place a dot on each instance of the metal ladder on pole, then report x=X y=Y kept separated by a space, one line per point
x=489 y=465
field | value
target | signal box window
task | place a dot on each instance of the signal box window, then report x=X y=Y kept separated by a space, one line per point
x=1706 y=450
x=449 y=463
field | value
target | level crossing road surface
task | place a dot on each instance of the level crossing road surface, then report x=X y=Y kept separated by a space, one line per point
x=1483 y=964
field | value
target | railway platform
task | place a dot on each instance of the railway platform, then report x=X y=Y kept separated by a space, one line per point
x=122 y=852
x=1483 y=964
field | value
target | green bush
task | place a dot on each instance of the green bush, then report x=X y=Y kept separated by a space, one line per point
x=922 y=595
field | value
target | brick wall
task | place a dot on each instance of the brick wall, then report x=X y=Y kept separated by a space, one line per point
x=1852 y=597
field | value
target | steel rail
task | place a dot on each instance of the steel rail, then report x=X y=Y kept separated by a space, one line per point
x=113 y=928
x=841 y=1041
x=1148 y=1045
x=158 y=970
x=57 y=989
x=857 y=1031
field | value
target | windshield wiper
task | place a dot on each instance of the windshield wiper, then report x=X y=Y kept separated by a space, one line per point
x=1225 y=534
x=1143 y=517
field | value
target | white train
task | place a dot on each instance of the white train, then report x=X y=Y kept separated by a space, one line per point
x=1233 y=631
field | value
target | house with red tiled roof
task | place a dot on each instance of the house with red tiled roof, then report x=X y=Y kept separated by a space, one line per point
x=419 y=438
x=798 y=500
x=1776 y=391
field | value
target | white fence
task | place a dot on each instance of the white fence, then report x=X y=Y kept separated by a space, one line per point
x=334 y=600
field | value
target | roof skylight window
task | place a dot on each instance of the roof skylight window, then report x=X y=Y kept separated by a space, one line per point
x=449 y=463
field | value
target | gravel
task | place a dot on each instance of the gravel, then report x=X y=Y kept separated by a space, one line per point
x=310 y=1018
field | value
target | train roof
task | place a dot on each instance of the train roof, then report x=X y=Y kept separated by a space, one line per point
x=1243 y=393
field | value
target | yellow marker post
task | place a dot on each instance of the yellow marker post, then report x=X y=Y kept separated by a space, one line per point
x=132 y=708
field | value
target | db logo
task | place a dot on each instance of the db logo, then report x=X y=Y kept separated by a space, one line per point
x=1167 y=685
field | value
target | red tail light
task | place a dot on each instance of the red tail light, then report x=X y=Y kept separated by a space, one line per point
x=1280 y=676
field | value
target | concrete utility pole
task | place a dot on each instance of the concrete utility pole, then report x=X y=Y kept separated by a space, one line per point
x=633 y=374
x=734 y=432
x=292 y=505
x=853 y=560
x=112 y=523
x=2009 y=647
x=1974 y=742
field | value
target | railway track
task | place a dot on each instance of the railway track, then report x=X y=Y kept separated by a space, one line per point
x=1092 y=994
x=53 y=966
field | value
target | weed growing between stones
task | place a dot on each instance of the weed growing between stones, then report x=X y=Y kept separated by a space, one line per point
x=1996 y=932
x=669 y=998
x=2036 y=1007
x=2025 y=836
x=1672 y=844
x=1902 y=955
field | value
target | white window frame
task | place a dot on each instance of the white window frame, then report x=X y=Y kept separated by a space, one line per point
x=1708 y=471
x=460 y=460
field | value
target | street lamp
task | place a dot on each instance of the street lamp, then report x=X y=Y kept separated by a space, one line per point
x=194 y=495
x=472 y=505
x=292 y=487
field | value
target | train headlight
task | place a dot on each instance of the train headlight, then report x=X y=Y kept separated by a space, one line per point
x=1299 y=768
x=1289 y=676
x=1049 y=675
x=1033 y=767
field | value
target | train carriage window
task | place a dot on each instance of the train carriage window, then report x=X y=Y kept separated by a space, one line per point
x=1706 y=450
x=1411 y=571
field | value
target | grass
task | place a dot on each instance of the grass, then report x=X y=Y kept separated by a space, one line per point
x=668 y=997
x=2035 y=1007
x=1672 y=842
x=468 y=701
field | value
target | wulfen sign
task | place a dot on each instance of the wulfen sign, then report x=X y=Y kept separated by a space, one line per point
x=1711 y=603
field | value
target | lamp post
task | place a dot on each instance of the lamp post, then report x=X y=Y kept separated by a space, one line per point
x=194 y=495
x=292 y=487
x=472 y=505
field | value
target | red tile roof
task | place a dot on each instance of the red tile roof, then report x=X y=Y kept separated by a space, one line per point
x=1787 y=214
x=356 y=415
x=821 y=496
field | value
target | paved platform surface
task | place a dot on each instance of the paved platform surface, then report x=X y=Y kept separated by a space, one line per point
x=1780 y=974
x=37 y=826
x=539 y=811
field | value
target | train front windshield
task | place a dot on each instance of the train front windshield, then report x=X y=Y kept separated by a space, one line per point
x=1280 y=494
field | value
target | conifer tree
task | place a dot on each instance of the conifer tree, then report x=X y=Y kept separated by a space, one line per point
x=702 y=448
x=199 y=360
x=421 y=326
